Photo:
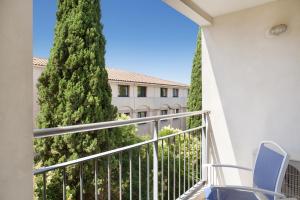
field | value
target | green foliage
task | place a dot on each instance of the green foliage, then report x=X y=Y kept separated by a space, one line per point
x=167 y=130
x=195 y=91
x=187 y=150
x=127 y=136
x=74 y=89
x=120 y=137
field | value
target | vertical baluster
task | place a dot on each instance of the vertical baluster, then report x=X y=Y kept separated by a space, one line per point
x=162 y=169
x=44 y=186
x=179 y=161
x=189 y=153
x=168 y=168
x=201 y=153
x=200 y=159
x=155 y=161
x=197 y=151
x=148 y=171
x=184 y=173
x=198 y=155
x=81 y=180
x=174 y=168
x=64 y=183
x=96 y=178
x=140 y=175
x=210 y=172
x=206 y=136
x=108 y=179
x=120 y=176
x=192 y=158
x=130 y=174
x=204 y=146
x=199 y=135
x=213 y=176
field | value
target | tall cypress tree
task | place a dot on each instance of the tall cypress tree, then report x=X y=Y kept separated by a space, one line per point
x=195 y=91
x=74 y=89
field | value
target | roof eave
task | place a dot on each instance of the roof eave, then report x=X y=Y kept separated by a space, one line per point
x=148 y=83
x=191 y=11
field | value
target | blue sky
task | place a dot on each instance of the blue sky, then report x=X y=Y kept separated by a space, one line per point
x=145 y=36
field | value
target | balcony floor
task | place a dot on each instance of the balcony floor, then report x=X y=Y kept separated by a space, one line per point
x=195 y=193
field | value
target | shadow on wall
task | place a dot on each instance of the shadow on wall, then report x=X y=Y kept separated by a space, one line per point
x=222 y=149
x=218 y=175
x=248 y=78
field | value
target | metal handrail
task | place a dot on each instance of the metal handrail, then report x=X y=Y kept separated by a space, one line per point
x=180 y=133
x=80 y=160
x=200 y=131
x=48 y=132
x=107 y=153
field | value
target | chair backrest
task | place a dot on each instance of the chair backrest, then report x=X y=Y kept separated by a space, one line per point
x=270 y=167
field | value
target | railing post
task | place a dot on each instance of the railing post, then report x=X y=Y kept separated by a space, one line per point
x=204 y=146
x=155 y=160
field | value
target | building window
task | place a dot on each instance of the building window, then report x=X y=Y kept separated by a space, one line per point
x=163 y=92
x=175 y=92
x=142 y=91
x=142 y=114
x=176 y=111
x=123 y=90
x=164 y=112
x=125 y=113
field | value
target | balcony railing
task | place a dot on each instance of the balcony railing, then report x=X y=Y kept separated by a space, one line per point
x=189 y=153
x=152 y=102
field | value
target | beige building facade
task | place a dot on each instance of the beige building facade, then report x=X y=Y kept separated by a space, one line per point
x=136 y=95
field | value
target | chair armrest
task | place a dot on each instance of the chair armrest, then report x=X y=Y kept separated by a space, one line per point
x=228 y=166
x=251 y=189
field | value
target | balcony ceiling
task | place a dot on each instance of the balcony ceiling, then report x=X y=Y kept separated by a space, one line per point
x=203 y=11
x=220 y=7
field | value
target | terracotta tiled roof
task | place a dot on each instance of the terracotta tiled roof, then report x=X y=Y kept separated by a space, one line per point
x=39 y=62
x=122 y=75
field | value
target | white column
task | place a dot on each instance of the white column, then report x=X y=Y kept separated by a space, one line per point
x=16 y=154
x=155 y=161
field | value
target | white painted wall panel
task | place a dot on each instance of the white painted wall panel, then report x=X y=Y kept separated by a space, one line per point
x=251 y=83
x=16 y=152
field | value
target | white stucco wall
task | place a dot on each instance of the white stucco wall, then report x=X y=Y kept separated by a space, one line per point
x=16 y=153
x=153 y=103
x=153 y=99
x=251 y=83
x=37 y=71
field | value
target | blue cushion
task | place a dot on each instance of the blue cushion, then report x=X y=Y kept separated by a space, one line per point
x=266 y=169
x=228 y=194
